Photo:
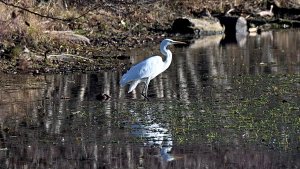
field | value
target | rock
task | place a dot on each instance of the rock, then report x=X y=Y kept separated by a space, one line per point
x=197 y=26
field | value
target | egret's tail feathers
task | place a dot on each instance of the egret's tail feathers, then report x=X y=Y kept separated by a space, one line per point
x=133 y=85
x=122 y=84
x=123 y=81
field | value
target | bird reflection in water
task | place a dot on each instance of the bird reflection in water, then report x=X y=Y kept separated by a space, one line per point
x=155 y=135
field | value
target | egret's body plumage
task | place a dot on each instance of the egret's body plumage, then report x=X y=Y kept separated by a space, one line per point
x=148 y=69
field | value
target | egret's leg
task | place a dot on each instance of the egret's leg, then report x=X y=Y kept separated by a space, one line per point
x=144 y=93
x=145 y=90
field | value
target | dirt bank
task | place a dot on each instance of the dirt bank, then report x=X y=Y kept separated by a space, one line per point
x=66 y=36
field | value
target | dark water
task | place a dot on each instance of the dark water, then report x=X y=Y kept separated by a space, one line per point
x=219 y=105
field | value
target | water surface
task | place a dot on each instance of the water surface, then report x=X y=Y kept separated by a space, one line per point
x=219 y=105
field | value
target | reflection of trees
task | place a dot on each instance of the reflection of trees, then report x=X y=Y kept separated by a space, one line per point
x=55 y=121
x=55 y=126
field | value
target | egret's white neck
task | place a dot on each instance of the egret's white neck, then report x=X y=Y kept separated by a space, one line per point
x=168 y=56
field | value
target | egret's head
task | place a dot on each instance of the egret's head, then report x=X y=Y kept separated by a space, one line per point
x=167 y=42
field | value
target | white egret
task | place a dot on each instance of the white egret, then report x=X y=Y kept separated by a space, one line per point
x=148 y=69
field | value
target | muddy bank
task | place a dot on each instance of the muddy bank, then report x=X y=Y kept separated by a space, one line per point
x=51 y=37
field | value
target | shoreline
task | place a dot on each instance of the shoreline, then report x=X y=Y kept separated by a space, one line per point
x=98 y=39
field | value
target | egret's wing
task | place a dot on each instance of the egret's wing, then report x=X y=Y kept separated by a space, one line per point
x=144 y=69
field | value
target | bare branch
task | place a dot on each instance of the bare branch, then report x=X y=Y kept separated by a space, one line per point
x=47 y=16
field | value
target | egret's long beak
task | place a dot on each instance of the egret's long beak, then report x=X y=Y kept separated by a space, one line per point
x=178 y=42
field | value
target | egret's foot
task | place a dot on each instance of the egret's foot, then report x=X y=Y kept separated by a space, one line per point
x=145 y=96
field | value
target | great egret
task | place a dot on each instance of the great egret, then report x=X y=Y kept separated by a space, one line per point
x=149 y=68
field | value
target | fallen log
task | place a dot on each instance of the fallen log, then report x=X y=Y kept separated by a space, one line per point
x=230 y=23
x=292 y=23
x=233 y=24
x=197 y=26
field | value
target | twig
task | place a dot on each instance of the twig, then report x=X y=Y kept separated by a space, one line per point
x=47 y=16
x=35 y=13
